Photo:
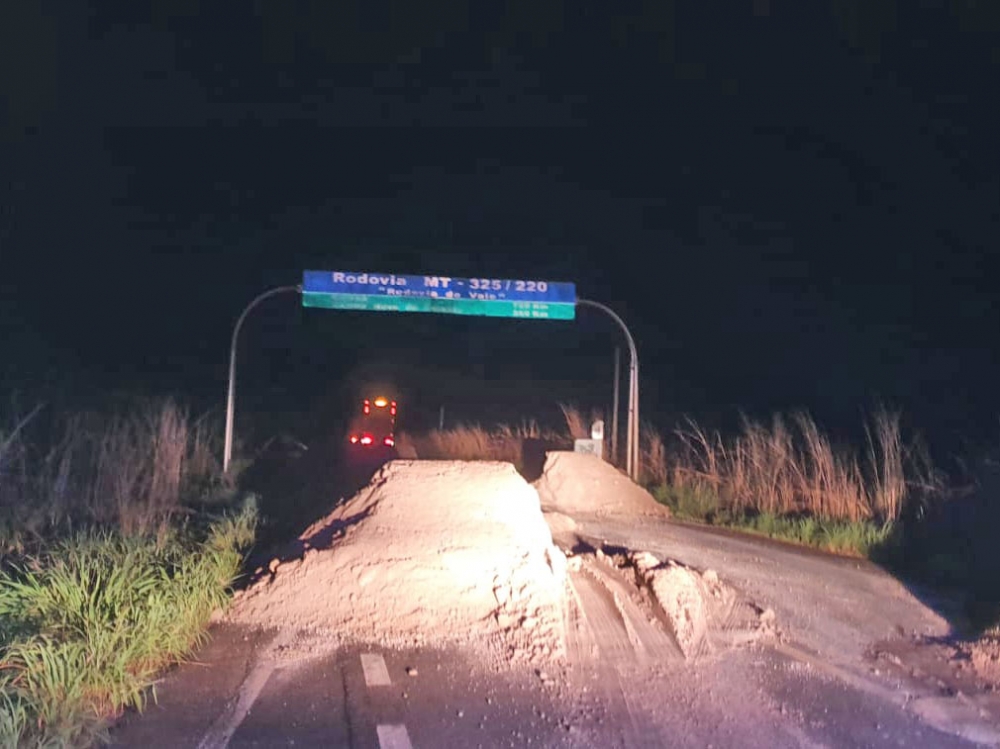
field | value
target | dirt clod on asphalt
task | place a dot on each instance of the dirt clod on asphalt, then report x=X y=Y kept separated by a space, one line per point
x=681 y=594
x=430 y=552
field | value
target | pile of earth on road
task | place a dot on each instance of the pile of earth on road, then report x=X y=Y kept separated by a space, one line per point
x=429 y=553
x=579 y=483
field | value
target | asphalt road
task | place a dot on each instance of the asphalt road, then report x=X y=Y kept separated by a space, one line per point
x=841 y=672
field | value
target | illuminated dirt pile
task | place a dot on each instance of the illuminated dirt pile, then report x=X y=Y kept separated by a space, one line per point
x=431 y=552
x=582 y=483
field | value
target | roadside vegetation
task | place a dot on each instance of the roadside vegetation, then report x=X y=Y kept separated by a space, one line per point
x=120 y=538
x=788 y=480
x=885 y=501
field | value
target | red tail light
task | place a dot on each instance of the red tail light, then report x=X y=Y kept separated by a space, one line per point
x=354 y=439
x=367 y=439
x=389 y=442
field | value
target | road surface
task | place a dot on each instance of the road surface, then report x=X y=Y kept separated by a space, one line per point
x=844 y=666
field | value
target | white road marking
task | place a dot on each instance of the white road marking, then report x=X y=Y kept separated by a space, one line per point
x=390 y=736
x=225 y=726
x=376 y=673
x=393 y=737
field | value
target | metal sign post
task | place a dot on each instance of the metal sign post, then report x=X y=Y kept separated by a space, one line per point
x=615 y=402
x=227 y=451
x=632 y=430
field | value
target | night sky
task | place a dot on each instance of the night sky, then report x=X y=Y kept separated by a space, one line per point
x=792 y=204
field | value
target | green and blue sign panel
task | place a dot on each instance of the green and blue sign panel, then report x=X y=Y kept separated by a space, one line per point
x=488 y=297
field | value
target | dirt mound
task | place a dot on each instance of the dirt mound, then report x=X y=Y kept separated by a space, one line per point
x=430 y=552
x=582 y=483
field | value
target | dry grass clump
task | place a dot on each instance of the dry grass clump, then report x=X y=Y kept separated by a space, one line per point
x=473 y=442
x=652 y=456
x=131 y=470
x=466 y=442
x=503 y=442
x=793 y=469
x=576 y=425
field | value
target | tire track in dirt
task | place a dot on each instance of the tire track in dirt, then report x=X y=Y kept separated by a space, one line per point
x=600 y=646
x=602 y=620
x=650 y=642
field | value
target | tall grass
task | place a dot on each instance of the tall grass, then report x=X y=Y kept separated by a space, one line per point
x=693 y=502
x=86 y=624
x=503 y=442
x=132 y=470
x=652 y=456
x=111 y=565
x=463 y=442
x=793 y=468
x=577 y=426
x=474 y=442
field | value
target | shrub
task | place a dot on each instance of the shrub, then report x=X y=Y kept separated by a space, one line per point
x=86 y=624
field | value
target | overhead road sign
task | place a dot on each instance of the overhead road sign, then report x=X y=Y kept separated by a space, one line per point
x=524 y=310
x=497 y=297
x=488 y=297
